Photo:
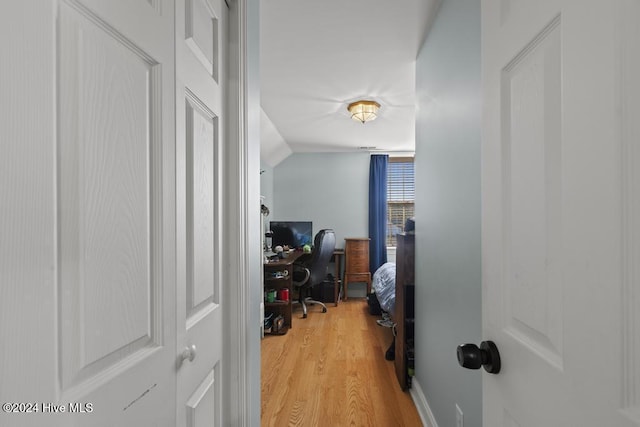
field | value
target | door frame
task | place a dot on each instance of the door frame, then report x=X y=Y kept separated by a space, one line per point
x=241 y=259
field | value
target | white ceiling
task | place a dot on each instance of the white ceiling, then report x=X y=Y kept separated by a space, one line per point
x=317 y=56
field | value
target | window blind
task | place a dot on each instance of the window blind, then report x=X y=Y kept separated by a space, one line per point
x=400 y=195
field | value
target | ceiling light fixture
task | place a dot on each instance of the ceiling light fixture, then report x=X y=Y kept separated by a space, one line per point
x=364 y=111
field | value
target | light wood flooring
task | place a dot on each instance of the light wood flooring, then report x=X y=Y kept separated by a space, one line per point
x=330 y=370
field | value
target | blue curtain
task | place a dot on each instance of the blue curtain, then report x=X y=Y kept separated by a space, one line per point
x=378 y=210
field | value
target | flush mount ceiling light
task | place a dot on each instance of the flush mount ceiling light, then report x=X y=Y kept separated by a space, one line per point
x=363 y=111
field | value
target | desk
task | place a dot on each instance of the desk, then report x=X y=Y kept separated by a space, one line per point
x=275 y=281
x=281 y=265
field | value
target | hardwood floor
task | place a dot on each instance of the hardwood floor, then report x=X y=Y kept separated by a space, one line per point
x=330 y=370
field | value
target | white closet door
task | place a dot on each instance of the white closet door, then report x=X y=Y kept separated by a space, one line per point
x=87 y=251
x=201 y=27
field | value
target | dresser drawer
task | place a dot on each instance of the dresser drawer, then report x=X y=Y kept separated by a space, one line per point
x=357 y=255
x=357 y=264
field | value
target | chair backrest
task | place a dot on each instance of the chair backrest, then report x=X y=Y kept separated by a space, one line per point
x=324 y=244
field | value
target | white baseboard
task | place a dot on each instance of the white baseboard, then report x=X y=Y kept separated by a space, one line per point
x=419 y=399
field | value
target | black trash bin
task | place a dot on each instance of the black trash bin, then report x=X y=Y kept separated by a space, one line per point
x=324 y=292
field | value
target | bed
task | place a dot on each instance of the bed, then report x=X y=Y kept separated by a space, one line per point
x=384 y=285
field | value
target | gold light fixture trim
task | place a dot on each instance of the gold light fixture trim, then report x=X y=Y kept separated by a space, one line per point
x=363 y=111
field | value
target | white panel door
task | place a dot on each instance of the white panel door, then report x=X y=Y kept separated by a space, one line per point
x=560 y=198
x=93 y=339
x=200 y=76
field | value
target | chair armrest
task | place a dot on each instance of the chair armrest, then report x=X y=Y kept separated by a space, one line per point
x=302 y=272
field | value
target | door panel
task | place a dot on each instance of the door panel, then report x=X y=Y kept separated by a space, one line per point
x=200 y=27
x=109 y=258
x=114 y=203
x=559 y=192
x=202 y=34
x=531 y=155
x=97 y=321
x=202 y=405
x=201 y=170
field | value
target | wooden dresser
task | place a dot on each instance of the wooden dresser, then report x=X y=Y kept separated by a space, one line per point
x=357 y=263
x=404 y=311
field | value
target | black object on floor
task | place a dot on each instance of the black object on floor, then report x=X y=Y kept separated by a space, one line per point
x=374 y=304
x=391 y=351
x=323 y=292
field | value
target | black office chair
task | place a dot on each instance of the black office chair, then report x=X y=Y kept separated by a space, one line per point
x=312 y=271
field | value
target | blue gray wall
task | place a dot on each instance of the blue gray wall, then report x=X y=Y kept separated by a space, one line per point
x=329 y=189
x=448 y=264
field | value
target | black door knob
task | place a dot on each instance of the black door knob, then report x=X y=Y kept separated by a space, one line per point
x=472 y=357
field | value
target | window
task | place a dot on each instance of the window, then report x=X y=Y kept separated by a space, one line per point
x=401 y=195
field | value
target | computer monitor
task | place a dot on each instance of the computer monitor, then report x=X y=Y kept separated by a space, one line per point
x=294 y=234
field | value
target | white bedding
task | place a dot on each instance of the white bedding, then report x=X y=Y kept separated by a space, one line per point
x=384 y=285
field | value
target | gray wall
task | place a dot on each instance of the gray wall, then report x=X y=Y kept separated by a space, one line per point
x=329 y=189
x=448 y=264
